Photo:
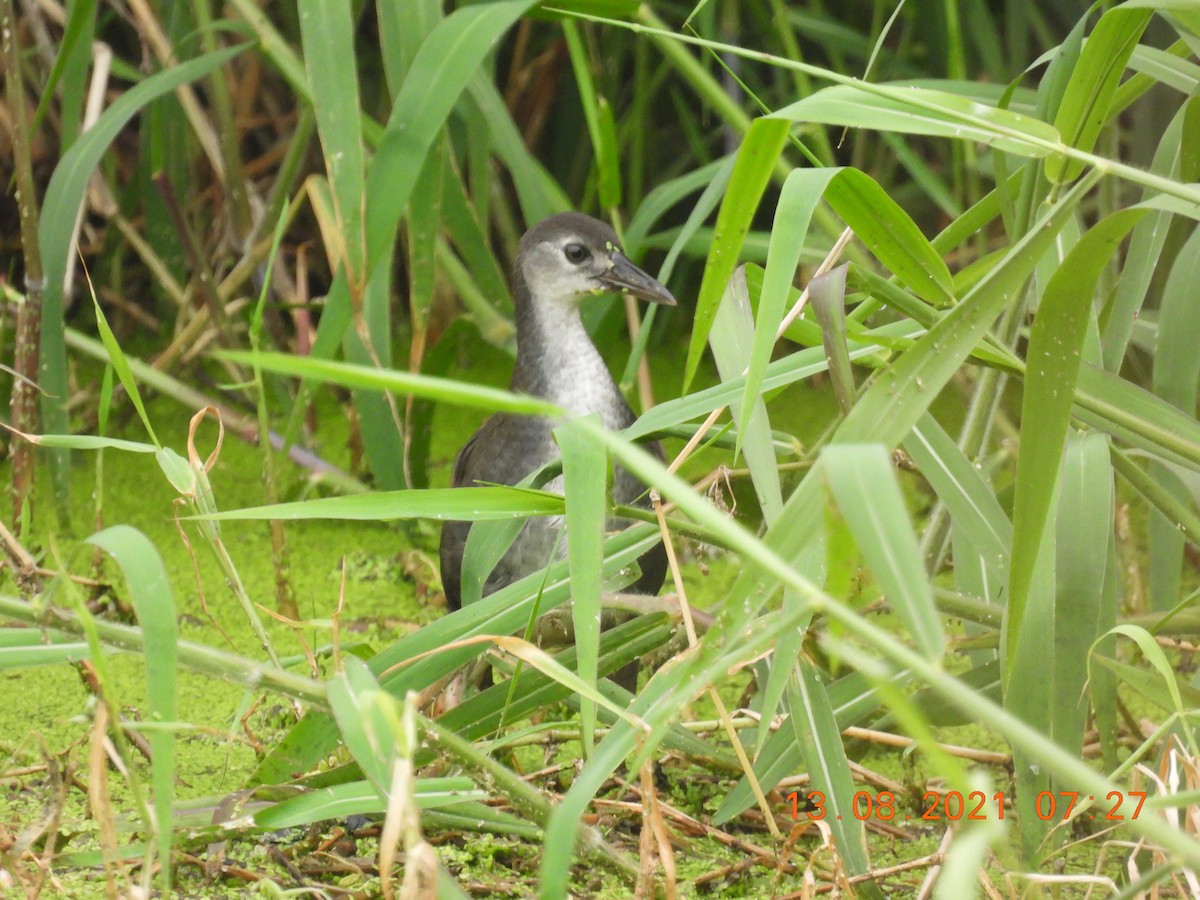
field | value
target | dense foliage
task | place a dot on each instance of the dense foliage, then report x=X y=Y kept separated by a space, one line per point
x=937 y=263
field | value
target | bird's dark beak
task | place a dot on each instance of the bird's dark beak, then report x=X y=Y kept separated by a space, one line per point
x=624 y=276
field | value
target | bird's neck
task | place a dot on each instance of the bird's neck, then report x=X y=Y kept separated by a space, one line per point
x=557 y=360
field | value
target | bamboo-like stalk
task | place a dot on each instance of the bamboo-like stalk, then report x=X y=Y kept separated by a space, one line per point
x=29 y=316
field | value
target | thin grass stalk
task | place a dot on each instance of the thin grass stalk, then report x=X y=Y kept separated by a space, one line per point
x=151 y=32
x=26 y=354
x=206 y=280
x=228 y=135
x=243 y=426
x=201 y=658
x=201 y=501
x=285 y=594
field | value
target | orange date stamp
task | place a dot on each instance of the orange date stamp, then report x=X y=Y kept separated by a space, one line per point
x=976 y=806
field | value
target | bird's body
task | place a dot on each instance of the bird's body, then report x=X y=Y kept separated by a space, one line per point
x=559 y=261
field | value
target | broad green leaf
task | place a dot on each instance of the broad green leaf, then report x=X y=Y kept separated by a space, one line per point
x=443 y=504
x=327 y=32
x=891 y=235
x=361 y=798
x=63 y=197
x=1094 y=81
x=865 y=488
x=150 y=593
x=751 y=172
x=1052 y=369
x=441 y=70
x=1176 y=370
x=1082 y=538
x=912 y=110
x=816 y=730
x=731 y=338
x=585 y=468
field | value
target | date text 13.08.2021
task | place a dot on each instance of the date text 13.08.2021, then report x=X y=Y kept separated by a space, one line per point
x=936 y=806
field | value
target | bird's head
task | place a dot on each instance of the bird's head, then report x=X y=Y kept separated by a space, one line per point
x=570 y=255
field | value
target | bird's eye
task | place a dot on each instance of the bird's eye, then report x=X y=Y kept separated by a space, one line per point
x=576 y=253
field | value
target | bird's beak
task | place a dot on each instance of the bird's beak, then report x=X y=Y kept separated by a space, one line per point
x=624 y=276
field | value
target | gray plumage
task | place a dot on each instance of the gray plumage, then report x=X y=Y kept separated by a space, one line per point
x=559 y=261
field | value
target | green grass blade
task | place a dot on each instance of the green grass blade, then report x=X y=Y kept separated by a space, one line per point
x=361 y=798
x=120 y=365
x=24 y=648
x=864 y=485
x=971 y=501
x=820 y=739
x=731 y=338
x=64 y=195
x=478 y=504
x=751 y=172
x=327 y=31
x=597 y=114
x=798 y=199
x=503 y=612
x=1082 y=539
x=913 y=110
x=585 y=467
x=1094 y=81
x=827 y=296
x=1145 y=249
x=1176 y=369
x=1138 y=417
x=901 y=394
x=150 y=593
x=444 y=390
x=367 y=717
x=1055 y=345
x=441 y=70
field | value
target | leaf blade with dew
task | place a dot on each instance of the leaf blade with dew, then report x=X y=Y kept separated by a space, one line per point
x=1052 y=371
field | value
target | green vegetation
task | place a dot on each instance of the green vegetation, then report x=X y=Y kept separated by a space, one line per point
x=931 y=400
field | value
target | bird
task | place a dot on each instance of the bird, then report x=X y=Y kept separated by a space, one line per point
x=560 y=261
